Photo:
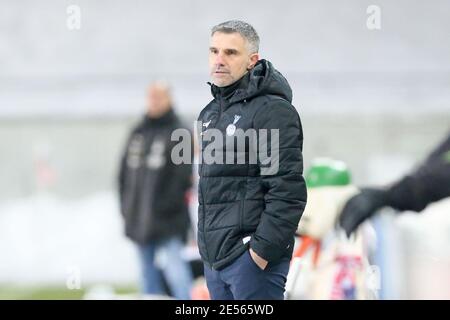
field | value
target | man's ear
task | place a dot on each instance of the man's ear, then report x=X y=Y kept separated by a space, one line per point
x=254 y=58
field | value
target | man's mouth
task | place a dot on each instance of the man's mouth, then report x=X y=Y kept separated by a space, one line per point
x=220 y=74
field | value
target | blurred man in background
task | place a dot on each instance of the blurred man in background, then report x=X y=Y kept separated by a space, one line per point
x=429 y=183
x=153 y=197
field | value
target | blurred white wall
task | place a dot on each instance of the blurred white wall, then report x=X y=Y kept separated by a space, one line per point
x=333 y=61
x=48 y=240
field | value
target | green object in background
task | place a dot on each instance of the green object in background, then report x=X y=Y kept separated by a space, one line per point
x=327 y=172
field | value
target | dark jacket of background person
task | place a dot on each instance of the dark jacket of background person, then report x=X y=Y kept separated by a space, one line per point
x=235 y=200
x=152 y=188
x=429 y=183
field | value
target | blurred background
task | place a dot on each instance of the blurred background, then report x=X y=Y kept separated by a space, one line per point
x=379 y=100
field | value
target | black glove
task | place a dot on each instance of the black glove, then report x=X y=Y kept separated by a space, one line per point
x=361 y=207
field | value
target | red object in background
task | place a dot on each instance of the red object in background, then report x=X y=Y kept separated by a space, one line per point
x=344 y=285
x=307 y=243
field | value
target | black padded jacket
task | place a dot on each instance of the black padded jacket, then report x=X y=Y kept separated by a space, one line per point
x=250 y=203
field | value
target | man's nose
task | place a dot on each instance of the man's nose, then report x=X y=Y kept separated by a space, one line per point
x=220 y=60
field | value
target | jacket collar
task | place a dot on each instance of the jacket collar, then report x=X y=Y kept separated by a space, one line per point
x=229 y=93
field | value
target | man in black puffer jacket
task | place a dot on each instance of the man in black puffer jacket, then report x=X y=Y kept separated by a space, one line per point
x=248 y=211
x=152 y=192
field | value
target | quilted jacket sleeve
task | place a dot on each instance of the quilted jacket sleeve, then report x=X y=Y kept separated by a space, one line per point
x=282 y=178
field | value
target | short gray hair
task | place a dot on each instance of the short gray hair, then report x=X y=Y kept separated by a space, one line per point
x=241 y=27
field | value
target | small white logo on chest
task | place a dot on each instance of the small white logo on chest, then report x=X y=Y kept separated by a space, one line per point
x=231 y=129
x=205 y=124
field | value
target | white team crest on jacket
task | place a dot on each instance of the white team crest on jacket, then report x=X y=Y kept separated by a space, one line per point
x=231 y=129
